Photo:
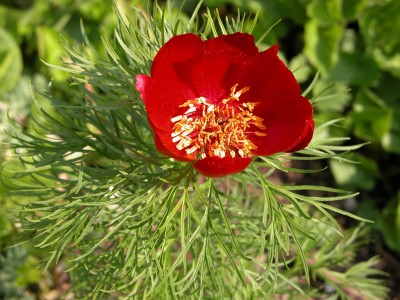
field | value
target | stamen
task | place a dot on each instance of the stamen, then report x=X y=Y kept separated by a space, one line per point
x=210 y=108
x=176 y=139
x=191 y=150
x=191 y=109
x=219 y=128
x=176 y=119
x=257 y=133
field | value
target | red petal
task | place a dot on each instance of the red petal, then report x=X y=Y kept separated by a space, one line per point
x=144 y=84
x=267 y=76
x=218 y=167
x=178 y=49
x=285 y=112
x=162 y=99
x=166 y=141
x=286 y=119
x=305 y=138
x=209 y=77
x=164 y=145
x=161 y=148
x=237 y=41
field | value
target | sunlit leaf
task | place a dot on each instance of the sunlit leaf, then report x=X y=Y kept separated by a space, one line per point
x=361 y=174
x=321 y=44
x=325 y=12
x=10 y=61
x=380 y=25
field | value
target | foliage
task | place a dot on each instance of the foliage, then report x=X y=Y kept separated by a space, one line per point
x=97 y=194
x=29 y=30
x=355 y=46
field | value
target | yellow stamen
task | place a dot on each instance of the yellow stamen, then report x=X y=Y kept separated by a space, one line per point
x=217 y=129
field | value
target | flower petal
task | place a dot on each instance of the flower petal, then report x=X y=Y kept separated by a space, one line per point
x=218 y=167
x=209 y=77
x=284 y=111
x=305 y=138
x=162 y=99
x=166 y=143
x=288 y=120
x=178 y=49
x=267 y=76
x=243 y=42
x=163 y=150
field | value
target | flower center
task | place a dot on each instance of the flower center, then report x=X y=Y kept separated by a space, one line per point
x=217 y=129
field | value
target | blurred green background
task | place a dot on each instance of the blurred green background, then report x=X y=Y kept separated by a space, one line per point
x=354 y=44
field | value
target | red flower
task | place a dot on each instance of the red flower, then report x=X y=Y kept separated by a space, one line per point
x=220 y=102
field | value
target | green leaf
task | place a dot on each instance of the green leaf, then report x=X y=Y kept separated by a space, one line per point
x=326 y=12
x=355 y=69
x=354 y=176
x=28 y=272
x=295 y=10
x=371 y=118
x=10 y=61
x=10 y=21
x=321 y=44
x=391 y=139
x=300 y=67
x=95 y=9
x=380 y=26
x=389 y=90
x=330 y=97
x=389 y=223
x=352 y=8
x=50 y=50
x=368 y=126
x=272 y=12
x=5 y=224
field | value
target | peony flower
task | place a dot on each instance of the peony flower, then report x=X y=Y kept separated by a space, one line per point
x=221 y=102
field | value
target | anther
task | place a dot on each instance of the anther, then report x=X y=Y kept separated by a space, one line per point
x=176 y=119
x=217 y=128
